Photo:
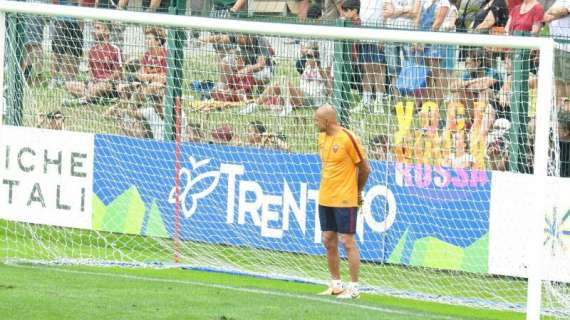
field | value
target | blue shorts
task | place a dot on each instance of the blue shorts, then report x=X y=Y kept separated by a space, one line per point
x=370 y=53
x=341 y=220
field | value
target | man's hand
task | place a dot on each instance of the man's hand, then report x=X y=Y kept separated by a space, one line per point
x=360 y=201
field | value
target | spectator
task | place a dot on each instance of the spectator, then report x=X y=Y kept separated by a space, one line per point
x=491 y=17
x=152 y=79
x=558 y=16
x=369 y=13
x=67 y=47
x=195 y=132
x=331 y=9
x=32 y=64
x=525 y=18
x=256 y=52
x=104 y=67
x=239 y=86
x=498 y=146
x=258 y=136
x=380 y=148
x=503 y=103
x=117 y=36
x=480 y=81
x=430 y=17
x=459 y=158
x=399 y=14
x=153 y=69
x=449 y=52
x=52 y=120
x=310 y=46
x=311 y=92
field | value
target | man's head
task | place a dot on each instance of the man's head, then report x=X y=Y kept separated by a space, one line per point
x=55 y=120
x=325 y=117
x=351 y=9
x=101 y=31
x=256 y=130
x=155 y=37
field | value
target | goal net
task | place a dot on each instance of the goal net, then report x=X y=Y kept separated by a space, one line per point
x=149 y=140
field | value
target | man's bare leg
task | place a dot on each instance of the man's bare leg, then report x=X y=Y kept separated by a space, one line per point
x=353 y=255
x=330 y=240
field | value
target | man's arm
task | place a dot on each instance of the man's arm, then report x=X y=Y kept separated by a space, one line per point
x=363 y=173
x=261 y=63
x=303 y=10
x=217 y=38
x=237 y=6
x=122 y=4
x=554 y=13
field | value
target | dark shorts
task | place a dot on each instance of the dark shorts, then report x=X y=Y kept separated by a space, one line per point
x=68 y=38
x=370 y=53
x=341 y=220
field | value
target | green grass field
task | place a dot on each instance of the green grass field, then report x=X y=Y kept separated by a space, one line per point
x=34 y=292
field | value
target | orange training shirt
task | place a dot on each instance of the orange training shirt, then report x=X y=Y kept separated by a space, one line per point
x=339 y=181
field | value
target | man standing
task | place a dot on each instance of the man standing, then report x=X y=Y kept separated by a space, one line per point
x=344 y=173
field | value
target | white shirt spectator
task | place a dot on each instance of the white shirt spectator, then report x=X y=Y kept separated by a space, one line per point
x=402 y=22
x=438 y=3
x=372 y=12
x=560 y=28
x=313 y=85
x=446 y=25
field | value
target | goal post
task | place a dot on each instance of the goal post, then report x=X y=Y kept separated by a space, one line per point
x=237 y=190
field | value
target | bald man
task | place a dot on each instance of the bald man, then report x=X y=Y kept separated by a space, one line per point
x=344 y=174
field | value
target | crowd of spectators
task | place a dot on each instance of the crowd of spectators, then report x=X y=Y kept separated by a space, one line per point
x=481 y=80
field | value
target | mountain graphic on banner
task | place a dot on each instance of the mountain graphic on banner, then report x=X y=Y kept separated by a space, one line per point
x=435 y=253
x=127 y=214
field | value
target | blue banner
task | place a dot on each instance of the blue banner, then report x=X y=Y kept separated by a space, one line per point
x=267 y=199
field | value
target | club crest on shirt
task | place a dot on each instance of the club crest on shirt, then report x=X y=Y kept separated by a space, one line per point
x=335 y=147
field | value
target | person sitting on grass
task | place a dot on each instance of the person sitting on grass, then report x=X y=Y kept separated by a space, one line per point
x=256 y=53
x=51 y=120
x=239 y=85
x=258 y=136
x=311 y=91
x=104 y=68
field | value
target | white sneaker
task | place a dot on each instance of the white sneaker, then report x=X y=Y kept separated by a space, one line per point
x=250 y=108
x=333 y=290
x=349 y=293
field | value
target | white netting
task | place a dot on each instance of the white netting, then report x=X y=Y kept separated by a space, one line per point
x=448 y=129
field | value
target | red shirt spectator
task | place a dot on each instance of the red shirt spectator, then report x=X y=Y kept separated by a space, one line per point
x=513 y=3
x=154 y=63
x=104 y=60
x=87 y=3
x=525 y=21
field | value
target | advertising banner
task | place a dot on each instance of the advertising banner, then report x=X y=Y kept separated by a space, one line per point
x=418 y=215
x=513 y=204
x=46 y=176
